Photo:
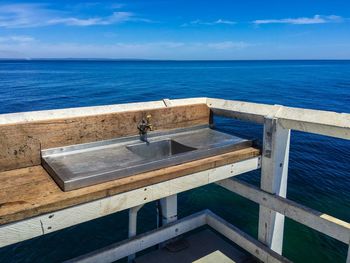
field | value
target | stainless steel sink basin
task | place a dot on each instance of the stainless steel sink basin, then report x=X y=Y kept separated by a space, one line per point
x=159 y=149
x=87 y=164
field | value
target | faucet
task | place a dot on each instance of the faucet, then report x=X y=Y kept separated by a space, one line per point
x=144 y=126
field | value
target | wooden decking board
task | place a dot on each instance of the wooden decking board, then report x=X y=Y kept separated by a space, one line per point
x=199 y=246
x=30 y=191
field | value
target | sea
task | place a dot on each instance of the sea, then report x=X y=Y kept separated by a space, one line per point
x=319 y=168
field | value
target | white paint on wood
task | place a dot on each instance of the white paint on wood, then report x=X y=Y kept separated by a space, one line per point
x=169 y=209
x=274 y=173
x=133 y=226
x=315 y=121
x=241 y=110
x=133 y=220
x=43 y=224
x=306 y=120
x=188 y=101
x=248 y=243
x=321 y=222
x=234 y=169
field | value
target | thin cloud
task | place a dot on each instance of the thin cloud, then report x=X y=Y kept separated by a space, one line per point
x=36 y=15
x=226 y=22
x=211 y=23
x=16 y=39
x=316 y=19
x=116 y=17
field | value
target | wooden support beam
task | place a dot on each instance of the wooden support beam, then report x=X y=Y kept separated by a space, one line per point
x=274 y=173
x=321 y=222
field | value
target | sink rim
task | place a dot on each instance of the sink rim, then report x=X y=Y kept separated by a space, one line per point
x=72 y=181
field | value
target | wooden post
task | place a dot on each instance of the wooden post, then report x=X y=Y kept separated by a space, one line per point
x=169 y=209
x=348 y=257
x=133 y=226
x=274 y=173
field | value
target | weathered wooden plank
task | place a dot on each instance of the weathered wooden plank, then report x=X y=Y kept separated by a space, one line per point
x=241 y=110
x=150 y=191
x=321 y=222
x=46 y=115
x=22 y=142
x=33 y=192
x=314 y=121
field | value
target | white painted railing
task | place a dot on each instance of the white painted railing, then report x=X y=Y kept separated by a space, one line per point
x=278 y=122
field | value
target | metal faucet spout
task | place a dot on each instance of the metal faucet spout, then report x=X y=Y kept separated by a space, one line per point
x=144 y=126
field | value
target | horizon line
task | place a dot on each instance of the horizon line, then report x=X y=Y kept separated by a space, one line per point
x=142 y=59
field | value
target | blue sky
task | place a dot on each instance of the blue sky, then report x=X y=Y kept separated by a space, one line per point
x=178 y=29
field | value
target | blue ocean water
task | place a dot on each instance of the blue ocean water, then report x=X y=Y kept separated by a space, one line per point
x=319 y=166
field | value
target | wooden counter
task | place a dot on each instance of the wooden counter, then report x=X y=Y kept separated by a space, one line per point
x=30 y=191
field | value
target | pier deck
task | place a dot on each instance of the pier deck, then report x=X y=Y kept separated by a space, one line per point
x=202 y=247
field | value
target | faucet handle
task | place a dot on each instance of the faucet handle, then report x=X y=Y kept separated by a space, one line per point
x=148 y=119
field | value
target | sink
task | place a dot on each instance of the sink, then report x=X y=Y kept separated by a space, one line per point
x=82 y=165
x=159 y=149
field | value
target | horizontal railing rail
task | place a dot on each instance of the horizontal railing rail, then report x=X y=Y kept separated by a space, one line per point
x=321 y=222
x=314 y=121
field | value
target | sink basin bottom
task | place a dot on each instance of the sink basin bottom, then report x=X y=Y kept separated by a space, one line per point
x=159 y=149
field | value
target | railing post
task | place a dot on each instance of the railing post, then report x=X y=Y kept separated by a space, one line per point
x=348 y=257
x=274 y=173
